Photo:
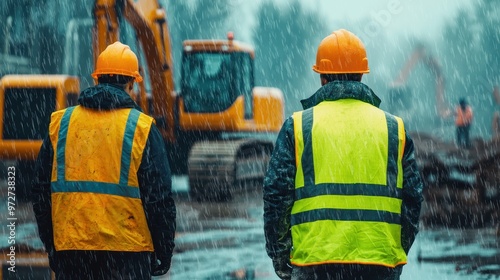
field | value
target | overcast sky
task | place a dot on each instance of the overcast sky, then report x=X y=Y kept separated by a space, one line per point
x=421 y=18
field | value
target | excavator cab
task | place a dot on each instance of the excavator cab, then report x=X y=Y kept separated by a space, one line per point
x=211 y=81
x=218 y=92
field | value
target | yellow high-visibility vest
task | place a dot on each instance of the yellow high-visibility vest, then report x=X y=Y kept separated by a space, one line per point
x=348 y=185
x=96 y=202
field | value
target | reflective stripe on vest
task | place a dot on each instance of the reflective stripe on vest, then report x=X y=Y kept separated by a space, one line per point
x=348 y=185
x=96 y=201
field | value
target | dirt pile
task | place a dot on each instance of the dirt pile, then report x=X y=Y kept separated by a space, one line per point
x=462 y=186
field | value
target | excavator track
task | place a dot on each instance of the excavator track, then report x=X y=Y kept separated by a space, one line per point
x=218 y=169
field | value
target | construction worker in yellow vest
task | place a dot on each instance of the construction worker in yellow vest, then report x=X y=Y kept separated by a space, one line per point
x=102 y=194
x=342 y=193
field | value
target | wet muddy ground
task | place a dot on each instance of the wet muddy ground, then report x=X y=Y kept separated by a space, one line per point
x=226 y=241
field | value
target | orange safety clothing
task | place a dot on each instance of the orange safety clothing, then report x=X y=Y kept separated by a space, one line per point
x=96 y=203
x=463 y=117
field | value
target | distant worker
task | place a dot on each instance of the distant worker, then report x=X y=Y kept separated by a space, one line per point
x=342 y=193
x=102 y=194
x=463 y=120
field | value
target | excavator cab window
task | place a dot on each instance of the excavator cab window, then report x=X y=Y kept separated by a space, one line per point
x=244 y=81
x=207 y=84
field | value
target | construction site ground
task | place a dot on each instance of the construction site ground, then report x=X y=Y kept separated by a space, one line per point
x=226 y=241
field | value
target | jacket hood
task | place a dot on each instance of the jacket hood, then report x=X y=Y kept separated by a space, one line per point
x=106 y=97
x=342 y=90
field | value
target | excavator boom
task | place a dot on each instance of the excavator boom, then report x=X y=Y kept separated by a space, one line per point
x=421 y=55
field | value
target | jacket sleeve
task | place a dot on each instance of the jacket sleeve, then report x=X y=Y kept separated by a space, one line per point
x=279 y=192
x=412 y=196
x=155 y=183
x=41 y=194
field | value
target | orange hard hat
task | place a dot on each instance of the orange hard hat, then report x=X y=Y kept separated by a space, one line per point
x=118 y=59
x=341 y=53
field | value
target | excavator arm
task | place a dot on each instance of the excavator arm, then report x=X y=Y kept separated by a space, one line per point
x=420 y=55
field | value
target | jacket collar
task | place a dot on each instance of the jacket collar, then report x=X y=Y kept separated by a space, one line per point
x=106 y=97
x=342 y=90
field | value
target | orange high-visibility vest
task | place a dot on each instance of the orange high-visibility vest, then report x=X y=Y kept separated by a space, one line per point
x=463 y=118
x=96 y=202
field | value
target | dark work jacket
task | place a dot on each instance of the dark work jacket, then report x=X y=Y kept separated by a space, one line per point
x=279 y=183
x=155 y=182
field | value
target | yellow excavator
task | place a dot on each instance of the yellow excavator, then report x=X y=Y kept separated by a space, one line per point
x=219 y=128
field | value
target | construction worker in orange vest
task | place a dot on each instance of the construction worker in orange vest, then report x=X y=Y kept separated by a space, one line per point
x=463 y=120
x=102 y=194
